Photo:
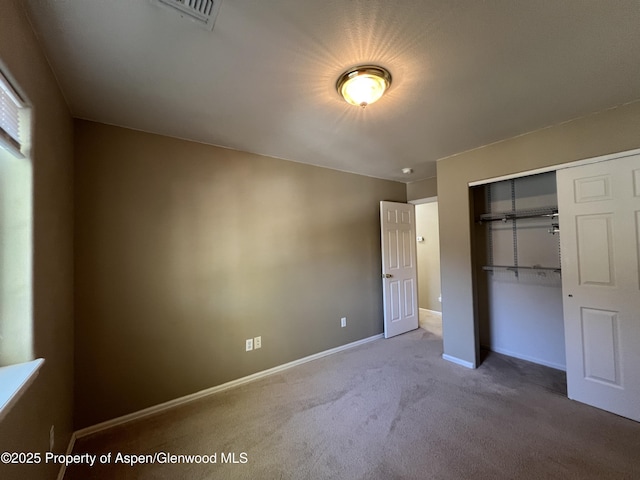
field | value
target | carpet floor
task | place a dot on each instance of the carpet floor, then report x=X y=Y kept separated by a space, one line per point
x=389 y=409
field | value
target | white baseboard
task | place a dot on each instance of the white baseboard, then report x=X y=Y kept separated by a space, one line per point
x=210 y=391
x=502 y=351
x=431 y=312
x=458 y=361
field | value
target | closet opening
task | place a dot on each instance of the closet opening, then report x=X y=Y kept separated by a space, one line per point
x=517 y=269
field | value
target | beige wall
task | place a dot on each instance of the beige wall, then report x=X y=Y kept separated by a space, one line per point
x=49 y=401
x=184 y=250
x=422 y=189
x=610 y=131
x=428 y=253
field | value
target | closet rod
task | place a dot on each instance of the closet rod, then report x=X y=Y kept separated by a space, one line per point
x=550 y=212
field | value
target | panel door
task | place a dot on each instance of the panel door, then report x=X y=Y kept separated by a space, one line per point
x=399 y=273
x=599 y=206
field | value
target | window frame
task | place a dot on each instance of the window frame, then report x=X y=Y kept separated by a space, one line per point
x=15 y=111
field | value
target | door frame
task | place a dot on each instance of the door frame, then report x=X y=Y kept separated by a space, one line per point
x=551 y=168
x=420 y=201
x=559 y=166
x=416 y=202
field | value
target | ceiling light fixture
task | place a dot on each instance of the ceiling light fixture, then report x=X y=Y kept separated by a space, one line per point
x=361 y=86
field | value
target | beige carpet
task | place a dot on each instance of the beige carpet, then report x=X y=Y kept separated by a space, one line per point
x=430 y=321
x=390 y=409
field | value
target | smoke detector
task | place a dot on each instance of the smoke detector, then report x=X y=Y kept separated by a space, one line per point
x=202 y=12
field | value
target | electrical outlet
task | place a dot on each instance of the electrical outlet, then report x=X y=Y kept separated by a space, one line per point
x=257 y=342
x=52 y=438
x=249 y=344
x=343 y=322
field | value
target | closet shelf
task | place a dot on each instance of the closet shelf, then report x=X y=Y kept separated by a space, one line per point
x=514 y=268
x=551 y=212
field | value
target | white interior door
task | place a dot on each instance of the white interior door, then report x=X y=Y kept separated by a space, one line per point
x=599 y=206
x=399 y=273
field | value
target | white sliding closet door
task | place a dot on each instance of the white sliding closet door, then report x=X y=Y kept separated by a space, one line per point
x=599 y=207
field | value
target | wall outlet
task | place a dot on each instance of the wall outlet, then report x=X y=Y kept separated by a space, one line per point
x=257 y=342
x=249 y=344
x=343 y=322
x=52 y=438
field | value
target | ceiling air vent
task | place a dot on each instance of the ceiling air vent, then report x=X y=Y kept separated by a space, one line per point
x=203 y=12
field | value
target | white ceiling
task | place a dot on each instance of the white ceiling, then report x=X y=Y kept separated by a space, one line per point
x=465 y=73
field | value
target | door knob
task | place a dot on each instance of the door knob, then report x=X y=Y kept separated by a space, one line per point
x=386 y=275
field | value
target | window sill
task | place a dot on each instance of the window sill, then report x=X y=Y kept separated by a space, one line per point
x=14 y=380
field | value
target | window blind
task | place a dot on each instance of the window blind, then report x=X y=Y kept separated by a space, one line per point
x=10 y=106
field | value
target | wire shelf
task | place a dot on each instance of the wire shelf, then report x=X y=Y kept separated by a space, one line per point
x=514 y=268
x=550 y=212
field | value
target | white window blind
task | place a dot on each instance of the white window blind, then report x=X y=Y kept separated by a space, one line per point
x=10 y=106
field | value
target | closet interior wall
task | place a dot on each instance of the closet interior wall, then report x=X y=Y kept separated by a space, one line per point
x=517 y=269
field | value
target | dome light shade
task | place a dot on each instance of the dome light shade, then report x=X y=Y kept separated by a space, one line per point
x=363 y=85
